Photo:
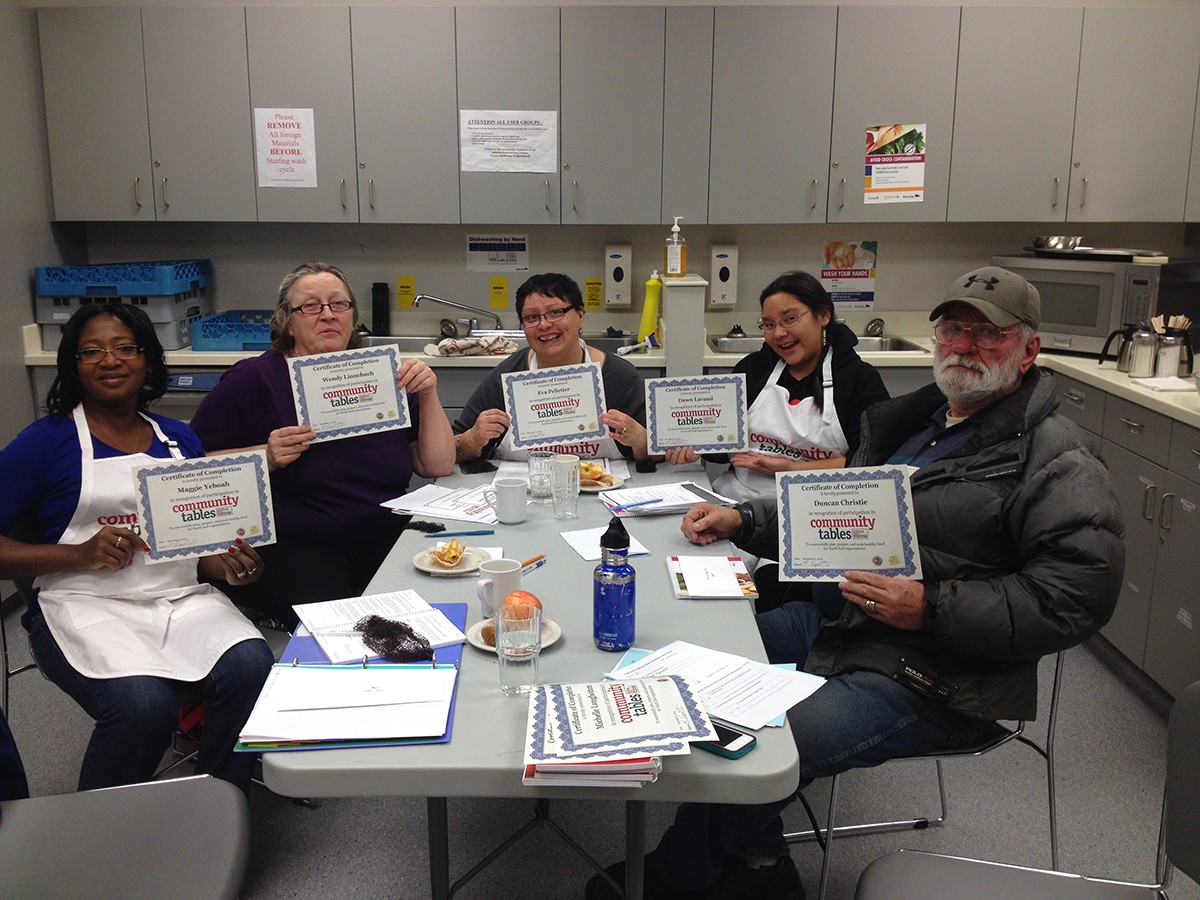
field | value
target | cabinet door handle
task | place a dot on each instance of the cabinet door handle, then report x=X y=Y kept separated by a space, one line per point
x=1164 y=521
x=166 y=202
x=814 y=190
x=574 y=188
x=1148 y=502
x=1195 y=452
x=371 y=192
x=1054 y=202
x=842 y=196
x=1083 y=194
x=1074 y=396
x=343 y=189
x=1133 y=426
x=137 y=192
x=547 y=195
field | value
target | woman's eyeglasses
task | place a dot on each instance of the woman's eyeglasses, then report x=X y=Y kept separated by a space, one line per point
x=93 y=355
x=313 y=308
x=552 y=316
x=985 y=335
x=765 y=325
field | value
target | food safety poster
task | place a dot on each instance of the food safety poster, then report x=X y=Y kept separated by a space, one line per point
x=895 y=167
x=285 y=145
x=500 y=140
x=848 y=273
x=498 y=253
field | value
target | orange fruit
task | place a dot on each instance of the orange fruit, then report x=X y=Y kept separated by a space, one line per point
x=522 y=598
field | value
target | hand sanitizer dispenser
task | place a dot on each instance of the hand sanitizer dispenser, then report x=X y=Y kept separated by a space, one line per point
x=722 y=276
x=618 y=286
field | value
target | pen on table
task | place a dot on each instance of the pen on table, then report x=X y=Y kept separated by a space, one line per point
x=540 y=561
x=446 y=534
x=632 y=505
x=532 y=560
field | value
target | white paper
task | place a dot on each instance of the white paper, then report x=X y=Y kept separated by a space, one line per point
x=460 y=504
x=659 y=499
x=704 y=412
x=586 y=542
x=501 y=140
x=558 y=405
x=1166 y=383
x=285 y=145
x=349 y=392
x=332 y=622
x=732 y=688
x=311 y=688
x=709 y=576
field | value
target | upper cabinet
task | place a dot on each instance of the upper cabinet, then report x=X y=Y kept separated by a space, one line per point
x=612 y=114
x=508 y=60
x=687 y=113
x=1014 y=114
x=405 y=113
x=895 y=65
x=772 y=87
x=1134 y=114
x=300 y=59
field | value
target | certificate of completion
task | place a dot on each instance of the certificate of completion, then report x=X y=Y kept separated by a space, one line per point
x=559 y=404
x=704 y=412
x=197 y=507
x=349 y=392
x=837 y=520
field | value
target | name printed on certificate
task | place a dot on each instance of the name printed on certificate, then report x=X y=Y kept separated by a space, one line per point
x=553 y=405
x=704 y=412
x=835 y=521
x=198 y=507
x=349 y=392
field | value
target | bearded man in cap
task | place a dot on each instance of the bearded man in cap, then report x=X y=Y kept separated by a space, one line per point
x=1021 y=554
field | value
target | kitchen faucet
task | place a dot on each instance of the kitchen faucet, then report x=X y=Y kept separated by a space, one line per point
x=472 y=323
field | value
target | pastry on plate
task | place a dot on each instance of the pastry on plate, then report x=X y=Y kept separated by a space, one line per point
x=449 y=554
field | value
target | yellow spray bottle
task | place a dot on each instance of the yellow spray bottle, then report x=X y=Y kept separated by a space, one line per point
x=650 y=308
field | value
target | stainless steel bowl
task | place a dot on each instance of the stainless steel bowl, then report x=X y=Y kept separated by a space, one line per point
x=1057 y=241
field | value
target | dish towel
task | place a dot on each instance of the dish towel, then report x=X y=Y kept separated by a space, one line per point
x=488 y=346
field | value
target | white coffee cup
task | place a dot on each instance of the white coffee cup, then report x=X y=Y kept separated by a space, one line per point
x=500 y=578
x=507 y=497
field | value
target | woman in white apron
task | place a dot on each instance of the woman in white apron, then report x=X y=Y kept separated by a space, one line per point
x=550 y=307
x=807 y=389
x=128 y=641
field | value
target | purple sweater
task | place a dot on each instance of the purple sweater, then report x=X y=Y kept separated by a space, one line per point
x=331 y=494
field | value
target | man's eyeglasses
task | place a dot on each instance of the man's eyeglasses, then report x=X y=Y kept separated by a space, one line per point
x=765 y=325
x=985 y=335
x=93 y=355
x=313 y=308
x=552 y=316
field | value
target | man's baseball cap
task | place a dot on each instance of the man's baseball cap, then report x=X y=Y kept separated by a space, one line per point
x=1003 y=296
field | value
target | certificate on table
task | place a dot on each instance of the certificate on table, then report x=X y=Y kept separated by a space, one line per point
x=197 y=507
x=836 y=520
x=704 y=412
x=350 y=392
x=559 y=404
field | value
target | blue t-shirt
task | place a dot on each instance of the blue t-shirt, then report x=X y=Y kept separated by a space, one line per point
x=41 y=471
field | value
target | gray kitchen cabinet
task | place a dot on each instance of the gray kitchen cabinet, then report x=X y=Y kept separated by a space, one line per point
x=1134 y=114
x=895 y=65
x=612 y=68
x=508 y=60
x=904 y=379
x=687 y=113
x=198 y=94
x=300 y=59
x=1014 y=112
x=405 y=113
x=772 y=86
x=1084 y=405
x=94 y=81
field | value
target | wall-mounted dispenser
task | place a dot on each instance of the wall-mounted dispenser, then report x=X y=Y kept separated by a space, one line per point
x=722 y=276
x=618 y=283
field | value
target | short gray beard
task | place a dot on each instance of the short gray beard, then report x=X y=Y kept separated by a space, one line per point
x=975 y=389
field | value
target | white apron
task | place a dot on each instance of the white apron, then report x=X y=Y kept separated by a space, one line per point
x=144 y=619
x=592 y=448
x=780 y=429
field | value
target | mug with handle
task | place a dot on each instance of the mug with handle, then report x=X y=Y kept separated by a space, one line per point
x=500 y=577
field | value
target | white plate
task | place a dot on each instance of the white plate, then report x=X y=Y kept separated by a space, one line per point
x=551 y=632
x=597 y=488
x=471 y=558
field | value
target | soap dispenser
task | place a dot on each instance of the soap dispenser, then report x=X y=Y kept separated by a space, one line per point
x=675 y=253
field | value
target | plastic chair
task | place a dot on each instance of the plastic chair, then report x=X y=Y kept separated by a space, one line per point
x=917 y=875
x=24 y=588
x=996 y=737
x=187 y=837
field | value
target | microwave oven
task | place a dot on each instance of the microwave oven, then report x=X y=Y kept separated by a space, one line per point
x=1083 y=301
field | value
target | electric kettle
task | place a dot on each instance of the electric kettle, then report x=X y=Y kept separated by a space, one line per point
x=1124 y=338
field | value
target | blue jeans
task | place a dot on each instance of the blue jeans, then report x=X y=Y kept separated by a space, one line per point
x=854 y=720
x=136 y=715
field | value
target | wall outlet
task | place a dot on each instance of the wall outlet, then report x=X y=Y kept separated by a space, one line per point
x=618 y=282
x=722 y=276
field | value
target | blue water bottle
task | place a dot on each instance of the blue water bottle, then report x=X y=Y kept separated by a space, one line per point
x=613 y=592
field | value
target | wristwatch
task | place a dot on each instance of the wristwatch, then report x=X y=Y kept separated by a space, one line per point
x=747 y=526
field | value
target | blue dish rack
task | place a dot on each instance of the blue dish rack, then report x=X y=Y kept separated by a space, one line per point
x=236 y=330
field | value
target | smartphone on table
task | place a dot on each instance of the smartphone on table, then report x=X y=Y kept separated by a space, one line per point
x=730 y=742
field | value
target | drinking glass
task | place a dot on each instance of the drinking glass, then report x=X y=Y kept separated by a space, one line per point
x=518 y=643
x=539 y=476
x=564 y=485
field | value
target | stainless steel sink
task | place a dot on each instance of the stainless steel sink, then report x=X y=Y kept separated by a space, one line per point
x=885 y=342
x=408 y=343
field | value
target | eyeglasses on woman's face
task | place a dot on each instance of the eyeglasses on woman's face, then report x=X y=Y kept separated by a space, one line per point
x=552 y=316
x=313 y=308
x=985 y=335
x=766 y=325
x=93 y=355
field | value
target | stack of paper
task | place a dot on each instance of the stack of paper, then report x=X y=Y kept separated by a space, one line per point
x=332 y=622
x=435 y=501
x=609 y=733
x=710 y=578
x=659 y=499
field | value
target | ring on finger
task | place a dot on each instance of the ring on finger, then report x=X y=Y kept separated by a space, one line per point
x=252 y=570
x=871 y=607
x=120 y=539
x=239 y=574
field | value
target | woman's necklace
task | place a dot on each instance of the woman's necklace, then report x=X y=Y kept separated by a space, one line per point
x=132 y=443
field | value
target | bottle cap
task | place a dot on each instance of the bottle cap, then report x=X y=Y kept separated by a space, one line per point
x=616 y=537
